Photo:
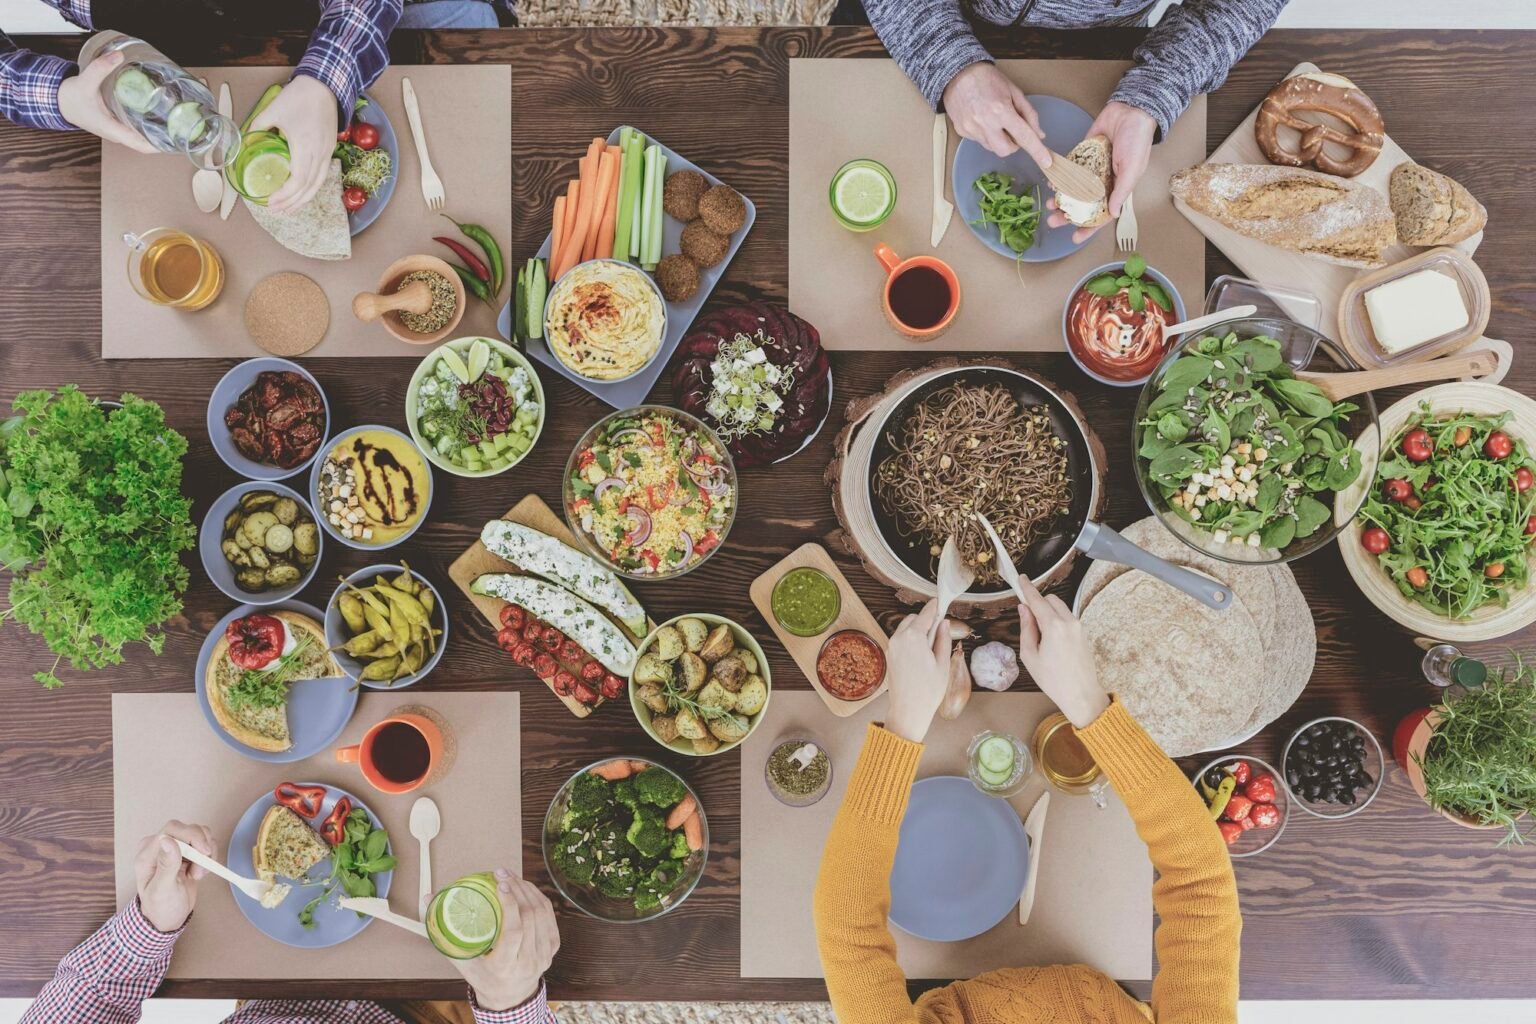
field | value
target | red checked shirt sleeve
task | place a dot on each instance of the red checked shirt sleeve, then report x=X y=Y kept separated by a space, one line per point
x=107 y=977
x=350 y=47
x=535 y=1011
x=29 y=82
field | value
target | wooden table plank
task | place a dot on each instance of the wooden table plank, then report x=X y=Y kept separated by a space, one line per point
x=1388 y=904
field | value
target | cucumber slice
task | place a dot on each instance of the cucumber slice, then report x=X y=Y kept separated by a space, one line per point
x=185 y=123
x=520 y=305
x=538 y=290
x=993 y=778
x=134 y=90
x=996 y=755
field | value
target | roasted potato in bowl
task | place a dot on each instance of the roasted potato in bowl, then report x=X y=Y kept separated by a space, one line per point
x=700 y=684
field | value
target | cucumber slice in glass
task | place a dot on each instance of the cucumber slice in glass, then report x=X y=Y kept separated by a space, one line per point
x=185 y=123
x=134 y=90
x=993 y=778
x=996 y=755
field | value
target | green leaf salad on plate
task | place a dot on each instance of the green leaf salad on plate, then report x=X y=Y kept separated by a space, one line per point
x=1237 y=446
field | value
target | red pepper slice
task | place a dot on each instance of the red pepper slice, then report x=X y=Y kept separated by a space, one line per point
x=334 y=829
x=255 y=641
x=304 y=801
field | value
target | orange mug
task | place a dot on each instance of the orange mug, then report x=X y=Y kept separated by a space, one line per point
x=397 y=754
x=921 y=294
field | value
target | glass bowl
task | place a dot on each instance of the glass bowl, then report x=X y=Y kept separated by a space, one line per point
x=585 y=897
x=1372 y=761
x=579 y=520
x=1302 y=349
x=794 y=741
x=1254 y=840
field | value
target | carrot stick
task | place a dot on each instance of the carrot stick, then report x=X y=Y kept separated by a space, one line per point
x=604 y=238
x=572 y=193
x=613 y=771
x=577 y=206
x=570 y=253
x=639 y=766
x=693 y=830
x=685 y=809
x=605 y=178
x=557 y=231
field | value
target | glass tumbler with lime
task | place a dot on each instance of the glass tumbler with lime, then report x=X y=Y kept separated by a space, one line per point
x=862 y=194
x=464 y=919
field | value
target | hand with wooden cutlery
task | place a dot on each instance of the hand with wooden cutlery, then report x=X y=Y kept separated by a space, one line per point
x=167 y=884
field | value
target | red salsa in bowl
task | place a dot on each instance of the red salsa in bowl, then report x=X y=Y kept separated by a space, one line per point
x=1115 y=319
x=851 y=666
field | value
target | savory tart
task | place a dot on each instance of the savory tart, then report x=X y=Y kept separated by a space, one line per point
x=286 y=845
x=251 y=667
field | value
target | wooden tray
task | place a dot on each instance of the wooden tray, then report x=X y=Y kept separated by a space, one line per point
x=477 y=559
x=1269 y=264
x=804 y=649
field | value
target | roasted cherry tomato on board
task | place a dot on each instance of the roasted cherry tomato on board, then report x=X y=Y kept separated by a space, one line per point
x=255 y=641
x=584 y=693
x=1375 y=540
x=304 y=801
x=592 y=672
x=1397 y=489
x=364 y=135
x=1417 y=577
x=545 y=666
x=571 y=652
x=1498 y=445
x=1417 y=445
x=612 y=687
x=334 y=829
x=513 y=616
x=354 y=198
x=1524 y=478
x=523 y=654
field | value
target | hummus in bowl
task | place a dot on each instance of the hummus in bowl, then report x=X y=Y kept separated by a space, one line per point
x=604 y=320
x=372 y=487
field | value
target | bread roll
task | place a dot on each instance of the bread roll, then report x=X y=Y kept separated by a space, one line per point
x=1431 y=208
x=1334 y=219
x=1094 y=154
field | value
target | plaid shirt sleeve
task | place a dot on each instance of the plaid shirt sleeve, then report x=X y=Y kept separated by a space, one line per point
x=106 y=978
x=350 y=47
x=535 y=1011
x=29 y=82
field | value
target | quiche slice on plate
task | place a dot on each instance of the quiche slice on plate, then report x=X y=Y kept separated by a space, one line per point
x=303 y=655
x=286 y=846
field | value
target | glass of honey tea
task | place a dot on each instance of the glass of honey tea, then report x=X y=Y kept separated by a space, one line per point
x=1065 y=762
x=171 y=268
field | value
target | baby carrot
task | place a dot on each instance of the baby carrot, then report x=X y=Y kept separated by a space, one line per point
x=613 y=771
x=693 y=830
x=685 y=809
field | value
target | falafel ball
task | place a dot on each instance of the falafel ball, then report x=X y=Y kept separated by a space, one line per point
x=701 y=245
x=678 y=277
x=680 y=194
x=723 y=210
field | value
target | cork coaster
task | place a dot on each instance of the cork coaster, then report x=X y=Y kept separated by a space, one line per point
x=444 y=764
x=287 y=313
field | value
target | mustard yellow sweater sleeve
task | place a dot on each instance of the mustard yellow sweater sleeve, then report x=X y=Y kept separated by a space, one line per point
x=1195 y=894
x=853 y=895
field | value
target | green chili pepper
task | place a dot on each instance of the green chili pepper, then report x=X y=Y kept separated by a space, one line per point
x=1218 y=803
x=480 y=288
x=484 y=239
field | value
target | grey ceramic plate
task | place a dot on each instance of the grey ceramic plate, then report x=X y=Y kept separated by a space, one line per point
x=1065 y=125
x=210 y=538
x=374 y=114
x=960 y=863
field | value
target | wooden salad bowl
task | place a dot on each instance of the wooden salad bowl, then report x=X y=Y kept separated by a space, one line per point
x=1486 y=623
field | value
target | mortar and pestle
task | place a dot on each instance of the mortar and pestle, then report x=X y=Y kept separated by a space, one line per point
x=390 y=300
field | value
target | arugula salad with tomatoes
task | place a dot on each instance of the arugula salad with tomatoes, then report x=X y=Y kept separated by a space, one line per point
x=653 y=493
x=1454 y=515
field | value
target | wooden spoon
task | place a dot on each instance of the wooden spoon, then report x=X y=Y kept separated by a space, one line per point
x=415 y=297
x=1339 y=386
x=1074 y=179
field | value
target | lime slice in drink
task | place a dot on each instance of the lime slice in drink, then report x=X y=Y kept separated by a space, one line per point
x=185 y=123
x=456 y=365
x=265 y=174
x=468 y=918
x=996 y=756
x=134 y=90
x=479 y=358
x=863 y=193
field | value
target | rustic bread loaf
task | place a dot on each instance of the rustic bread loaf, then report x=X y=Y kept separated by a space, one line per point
x=1431 y=208
x=1331 y=218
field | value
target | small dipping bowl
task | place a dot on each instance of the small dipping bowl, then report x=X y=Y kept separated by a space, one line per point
x=852 y=637
x=389 y=283
x=1373 y=762
x=228 y=391
x=798 y=579
x=1176 y=315
x=1254 y=840
x=789 y=744
x=336 y=633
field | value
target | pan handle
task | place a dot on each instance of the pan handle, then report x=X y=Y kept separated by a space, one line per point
x=1104 y=544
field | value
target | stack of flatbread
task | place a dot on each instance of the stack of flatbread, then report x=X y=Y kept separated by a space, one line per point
x=319 y=229
x=1197 y=679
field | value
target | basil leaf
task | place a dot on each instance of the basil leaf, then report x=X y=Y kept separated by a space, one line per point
x=1104 y=287
x=1156 y=294
x=1135 y=265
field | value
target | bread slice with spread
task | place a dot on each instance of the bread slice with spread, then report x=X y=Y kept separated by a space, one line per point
x=1095 y=154
x=265 y=727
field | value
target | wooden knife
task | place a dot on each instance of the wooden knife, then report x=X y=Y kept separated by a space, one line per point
x=375 y=906
x=227 y=200
x=942 y=208
x=1034 y=828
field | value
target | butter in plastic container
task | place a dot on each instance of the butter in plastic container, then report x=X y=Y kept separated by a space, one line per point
x=1418 y=309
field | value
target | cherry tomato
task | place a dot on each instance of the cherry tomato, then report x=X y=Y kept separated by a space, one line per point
x=571 y=652
x=1523 y=479
x=612 y=687
x=592 y=672
x=1418 y=578
x=1493 y=570
x=1397 y=489
x=1498 y=445
x=523 y=654
x=1462 y=436
x=1530 y=526
x=345 y=135
x=1413 y=503
x=544 y=666
x=1375 y=540
x=584 y=693
x=513 y=616
x=364 y=135
x=1417 y=446
x=564 y=683
x=354 y=198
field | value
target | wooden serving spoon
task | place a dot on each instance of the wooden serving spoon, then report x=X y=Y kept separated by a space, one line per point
x=1339 y=386
x=1074 y=179
x=415 y=297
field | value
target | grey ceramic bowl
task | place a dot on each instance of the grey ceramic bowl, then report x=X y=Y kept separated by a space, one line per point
x=225 y=393
x=1175 y=317
x=336 y=633
x=314 y=487
x=211 y=535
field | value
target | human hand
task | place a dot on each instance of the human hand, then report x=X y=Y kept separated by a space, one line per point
x=81 y=105
x=918 y=672
x=167 y=884
x=305 y=112
x=1130 y=131
x=1059 y=657
x=509 y=974
x=988 y=108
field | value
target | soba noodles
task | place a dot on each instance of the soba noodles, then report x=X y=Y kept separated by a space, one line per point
x=973 y=448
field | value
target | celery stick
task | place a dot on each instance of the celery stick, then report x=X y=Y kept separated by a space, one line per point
x=654 y=216
x=629 y=198
x=623 y=210
x=637 y=156
x=647 y=193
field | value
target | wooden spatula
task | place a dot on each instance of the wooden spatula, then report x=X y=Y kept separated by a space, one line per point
x=1074 y=179
x=415 y=297
x=1339 y=386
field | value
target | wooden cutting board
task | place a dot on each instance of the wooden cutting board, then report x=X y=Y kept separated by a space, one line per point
x=1272 y=265
x=478 y=560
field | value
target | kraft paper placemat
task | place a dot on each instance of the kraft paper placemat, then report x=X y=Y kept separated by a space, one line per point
x=167 y=763
x=843 y=109
x=1093 y=902
x=469 y=144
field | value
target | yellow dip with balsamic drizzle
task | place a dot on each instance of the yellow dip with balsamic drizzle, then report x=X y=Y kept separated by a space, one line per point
x=374 y=487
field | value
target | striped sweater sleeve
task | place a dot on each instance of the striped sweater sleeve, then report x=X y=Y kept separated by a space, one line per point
x=930 y=39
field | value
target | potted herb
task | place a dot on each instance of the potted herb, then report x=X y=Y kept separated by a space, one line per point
x=1474 y=758
x=92 y=524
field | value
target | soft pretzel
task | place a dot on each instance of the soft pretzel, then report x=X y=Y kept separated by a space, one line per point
x=1329 y=94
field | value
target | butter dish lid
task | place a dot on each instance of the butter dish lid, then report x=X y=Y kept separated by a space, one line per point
x=1274 y=301
x=1358 y=332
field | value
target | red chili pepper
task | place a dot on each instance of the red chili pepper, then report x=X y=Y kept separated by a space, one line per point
x=304 y=801
x=334 y=829
x=470 y=259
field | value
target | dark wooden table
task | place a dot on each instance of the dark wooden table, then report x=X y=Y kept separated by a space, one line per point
x=1394 y=903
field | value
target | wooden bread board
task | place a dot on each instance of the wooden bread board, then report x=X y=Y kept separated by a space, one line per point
x=478 y=560
x=805 y=649
x=1269 y=264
